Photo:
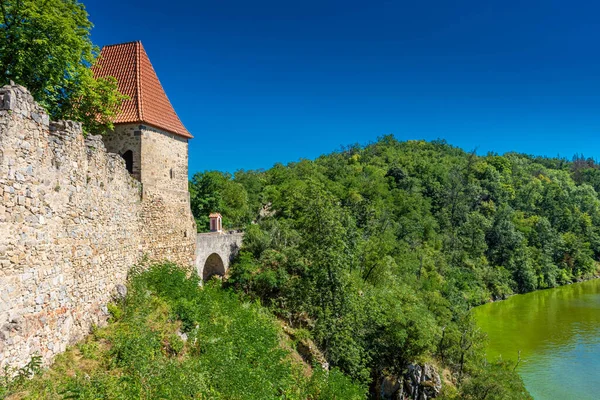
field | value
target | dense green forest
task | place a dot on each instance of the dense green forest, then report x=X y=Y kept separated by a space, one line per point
x=379 y=251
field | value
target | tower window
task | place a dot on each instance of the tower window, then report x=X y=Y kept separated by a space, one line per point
x=171 y=173
x=128 y=157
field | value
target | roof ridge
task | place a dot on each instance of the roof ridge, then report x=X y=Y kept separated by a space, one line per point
x=138 y=76
x=121 y=44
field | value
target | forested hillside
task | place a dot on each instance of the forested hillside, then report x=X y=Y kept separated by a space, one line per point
x=380 y=251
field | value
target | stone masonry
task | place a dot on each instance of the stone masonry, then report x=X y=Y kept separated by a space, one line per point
x=160 y=163
x=215 y=251
x=73 y=221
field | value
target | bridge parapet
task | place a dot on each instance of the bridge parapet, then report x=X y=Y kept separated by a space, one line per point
x=215 y=251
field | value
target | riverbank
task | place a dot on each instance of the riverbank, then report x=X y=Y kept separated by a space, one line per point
x=578 y=280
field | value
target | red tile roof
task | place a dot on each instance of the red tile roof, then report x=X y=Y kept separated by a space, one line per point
x=148 y=102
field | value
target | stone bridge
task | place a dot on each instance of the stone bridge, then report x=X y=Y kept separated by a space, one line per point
x=215 y=251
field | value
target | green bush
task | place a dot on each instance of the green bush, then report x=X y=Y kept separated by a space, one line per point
x=114 y=311
x=14 y=379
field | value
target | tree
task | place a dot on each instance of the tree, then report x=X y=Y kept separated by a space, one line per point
x=45 y=46
x=214 y=191
x=380 y=251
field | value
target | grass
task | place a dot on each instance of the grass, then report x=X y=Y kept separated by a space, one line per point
x=172 y=339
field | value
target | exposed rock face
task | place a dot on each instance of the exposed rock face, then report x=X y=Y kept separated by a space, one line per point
x=418 y=383
x=390 y=388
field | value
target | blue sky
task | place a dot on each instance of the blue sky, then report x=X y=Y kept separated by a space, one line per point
x=260 y=82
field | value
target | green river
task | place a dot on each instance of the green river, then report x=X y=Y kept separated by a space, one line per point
x=557 y=332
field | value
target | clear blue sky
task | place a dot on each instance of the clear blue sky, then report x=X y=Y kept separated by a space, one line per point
x=259 y=82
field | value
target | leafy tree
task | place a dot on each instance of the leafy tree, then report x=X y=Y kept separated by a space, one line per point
x=214 y=191
x=400 y=327
x=46 y=47
x=494 y=382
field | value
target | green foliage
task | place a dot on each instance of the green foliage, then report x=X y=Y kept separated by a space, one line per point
x=332 y=385
x=89 y=350
x=233 y=350
x=494 y=382
x=46 y=47
x=114 y=311
x=380 y=251
x=15 y=379
x=214 y=191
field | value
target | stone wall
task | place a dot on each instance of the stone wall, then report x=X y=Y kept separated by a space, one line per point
x=160 y=163
x=165 y=164
x=168 y=231
x=73 y=221
x=127 y=137
x=169 y=227
x=70 y=218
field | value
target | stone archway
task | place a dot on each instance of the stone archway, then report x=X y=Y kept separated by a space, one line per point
x=213 y=266
x=214 y=252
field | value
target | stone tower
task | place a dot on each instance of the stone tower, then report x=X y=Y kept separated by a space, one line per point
x=153 y=142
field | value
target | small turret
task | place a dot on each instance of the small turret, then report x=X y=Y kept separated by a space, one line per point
x=216 y=224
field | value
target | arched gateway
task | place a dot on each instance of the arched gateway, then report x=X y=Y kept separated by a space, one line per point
x=213 y=266
x=214 y=252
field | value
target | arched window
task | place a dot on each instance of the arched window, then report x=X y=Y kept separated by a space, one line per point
x=128 y=157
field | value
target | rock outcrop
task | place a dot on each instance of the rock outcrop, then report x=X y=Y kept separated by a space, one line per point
x=419 y=382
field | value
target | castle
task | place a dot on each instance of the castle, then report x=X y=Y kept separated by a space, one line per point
x=77 y=212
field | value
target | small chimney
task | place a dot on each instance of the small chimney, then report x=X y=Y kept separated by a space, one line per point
x=216 y=224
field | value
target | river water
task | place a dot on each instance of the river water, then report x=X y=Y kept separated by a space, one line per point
x=557 y=332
